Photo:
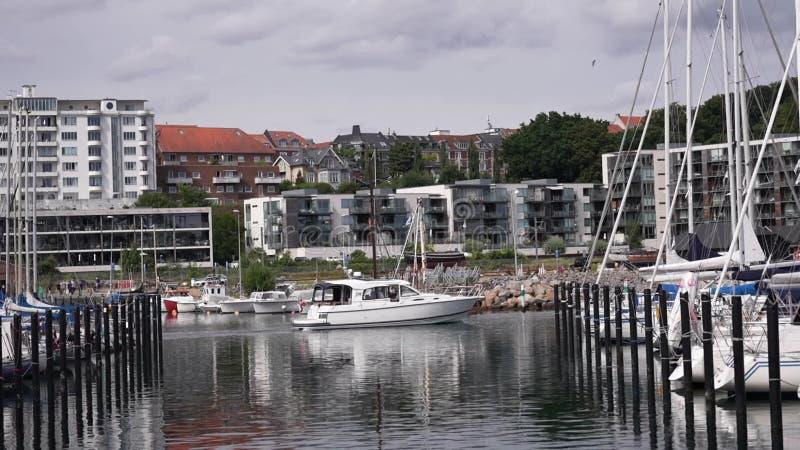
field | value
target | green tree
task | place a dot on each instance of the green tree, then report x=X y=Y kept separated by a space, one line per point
x=473 y=163
x=285 y=185
x=633 y=232
x=402 y=158
x=348 y=187
x=414 y=178
x=561 y=146
x=225 y=235
x=553 y=244
x=258 y=277
x=191 y=195
x=300 y=179
x=130 y=260
x=48 y=267
x=450 y=174
x=497 y=163
x=154 y=200
x=324 y=188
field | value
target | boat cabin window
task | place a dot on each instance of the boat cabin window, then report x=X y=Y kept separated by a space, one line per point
x=406 y=291
x=332 y=294
x=376 y=293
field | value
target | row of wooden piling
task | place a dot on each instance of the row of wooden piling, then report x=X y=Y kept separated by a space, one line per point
x=573 y=319
x=131 y=330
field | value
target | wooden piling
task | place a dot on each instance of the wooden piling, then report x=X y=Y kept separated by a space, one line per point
x=774 y=365
x=77 y=375
x=650 y=366
x=87 y=351
x=107 y=355
x=557 y=312
x=146 y=348
x=98 y=355
x=116 y=351
x=708 y=369
x=19 y=417
x=564 y=318
x=738 y=370
x=618 y=347
x=131 y=348
x=571 y=323
x=37 y=398
x=686 y=340
x=160 y=334
x=607 y=343
x=597 y=355
x=62 y=350
x=633 y=322
x=663 y=339
x=138 y=323
x=587 y=326
x=123 y=323
x=50 y=375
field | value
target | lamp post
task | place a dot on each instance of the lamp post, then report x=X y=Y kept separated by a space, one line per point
x=239 y=247
x=111 y=257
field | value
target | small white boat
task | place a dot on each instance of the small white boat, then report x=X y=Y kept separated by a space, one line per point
x=236 y=305
x=211 y=296
x=182 y=298
x=273 y=302
x=379 y=303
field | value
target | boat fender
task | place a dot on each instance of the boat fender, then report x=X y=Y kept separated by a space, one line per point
x=236 y=313
x=174 y=313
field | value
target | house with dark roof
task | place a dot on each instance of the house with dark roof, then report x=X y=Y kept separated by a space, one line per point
x=361 y=145
x=227 y=163
x=316 y=164
x=286 y=143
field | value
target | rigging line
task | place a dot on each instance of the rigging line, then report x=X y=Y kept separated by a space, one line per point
x=754 y=175
x=775 y=46
x=638 y=153
x=789 y=174
x=689 y=134
x=607 y=204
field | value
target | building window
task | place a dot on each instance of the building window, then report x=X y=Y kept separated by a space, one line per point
x=171 y=157
x=129 y=135
x=95 y=151
x=130 y=165
x=229 y=188
x=256 y=158
x=70 y=196
x=69 y=121
x=184 y=158
x=69 y=166
x=220 y=188
x=201 y=158
x=240 y=158
x=130 y=181
x=93 y=121
x=96 y=180
x=270 y=188
x=95 y=166
x=282 y=143
x=173 y=190
x=69 y=135
x=93 y=135
x=129 y=120
x=132 y=194
x=196 y=175
x=207 y=189
x=333 y=177
x=69 y=182
x=130 y=151
x=69 y=151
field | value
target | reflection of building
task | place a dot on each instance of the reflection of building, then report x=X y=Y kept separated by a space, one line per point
x=89 y=240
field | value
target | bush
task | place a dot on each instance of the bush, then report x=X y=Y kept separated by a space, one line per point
x=473 y=246
x=258 y=277
x=553 y=244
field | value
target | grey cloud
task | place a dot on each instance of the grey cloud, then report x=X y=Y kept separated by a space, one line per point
x=143 y=61
x=13 y=52
x=52 y=8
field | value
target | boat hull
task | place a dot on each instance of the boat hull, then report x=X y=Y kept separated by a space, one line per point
x=383 y=314
x=276 y=307
x=756 y=375
x=232 y=307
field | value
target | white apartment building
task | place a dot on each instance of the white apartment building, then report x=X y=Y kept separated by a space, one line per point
x=76 y=150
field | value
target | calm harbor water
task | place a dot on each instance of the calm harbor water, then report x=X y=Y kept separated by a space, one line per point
x=495 y=380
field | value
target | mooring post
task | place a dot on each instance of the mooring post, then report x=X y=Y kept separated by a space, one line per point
x=737 y=336
x=607 y=344
x=138 y=323
x=62 y=349
x=650 y=366
x=50 y=344
x=598 y=362
x=116 y=350
x=686 y=340
x=571 y=323
x=107 y=354
x=556 y=311
x=587 y=325
x=618 y=347
x=131 y=348
x=633 y=322
x=37 y=398
x=146 y=340
x=160 y=335
x=124 y=347
x=564 y=318
x=98 y=356
x=77 y=375
x=17 y=346
x=708 y=370
x=774 y=363
x=87 y=350
x=664 y=350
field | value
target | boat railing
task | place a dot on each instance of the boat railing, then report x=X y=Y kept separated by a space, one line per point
x=463 y=291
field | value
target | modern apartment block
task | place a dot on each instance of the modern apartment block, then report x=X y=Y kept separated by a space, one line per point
x=76 y=150
x=307 y=223
x=777 y=197
x=646 y=201
x=89 y=240
x=227 y=163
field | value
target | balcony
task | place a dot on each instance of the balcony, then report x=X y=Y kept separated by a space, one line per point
x=178 y=180
x=227 y=180
x=144 y=157
x=563 y=213
x=496 y=197
x=46 y=155
x=313 y=212
x=172 y=163
x=45 y=188
x=94 y=157
x=144 y=172
x=268 y=180
x=95 y=188
x=143 y=187
x=52 y=143
x=142 y=128
x=142 y=143
x=51 y=173
x=390 y=209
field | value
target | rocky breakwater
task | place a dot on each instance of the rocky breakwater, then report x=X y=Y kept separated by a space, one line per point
x=506 y=292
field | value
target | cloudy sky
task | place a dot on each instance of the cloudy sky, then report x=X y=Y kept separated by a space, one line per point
x=317 y=67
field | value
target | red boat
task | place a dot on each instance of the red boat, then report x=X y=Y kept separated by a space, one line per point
x=171 y=306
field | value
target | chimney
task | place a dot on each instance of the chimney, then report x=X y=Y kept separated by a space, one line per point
x=28 y=90
x=356 y=130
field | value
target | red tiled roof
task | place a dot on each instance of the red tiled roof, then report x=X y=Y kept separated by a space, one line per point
x=453 y=138
x=194 y=139
x=614 y=128
x=276 y=137
x=263 y=139
x=631 y=121
x=321 y=145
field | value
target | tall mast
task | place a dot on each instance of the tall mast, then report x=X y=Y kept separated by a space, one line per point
x=8 y=190
x=34 y=241
x=729 y=126
x=737 y=110
x=797 y=30
x=25 y=212
x=667 y=100
x=372 y=212
x=745 y=118
x=688 y=154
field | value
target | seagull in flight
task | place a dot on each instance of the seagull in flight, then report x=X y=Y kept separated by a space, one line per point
x=594 y=61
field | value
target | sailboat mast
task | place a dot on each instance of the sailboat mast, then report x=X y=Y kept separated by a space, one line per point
x=372 y=213
x=25 y=211
x=688 y=154
x=737 y=111
x=729 y=126
x=667 y=101
x=797 y=30
x=8 y=191
x=34 y=240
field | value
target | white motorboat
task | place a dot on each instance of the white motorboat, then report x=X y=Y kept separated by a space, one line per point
x=273 y=302
x=378 y=303
x=236 y=305
x=182 y=298
x=211 y=296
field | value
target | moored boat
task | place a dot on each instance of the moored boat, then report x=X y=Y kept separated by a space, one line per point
x=379 y=303
x=183 y=300
x=236 y=305
x=273 y=302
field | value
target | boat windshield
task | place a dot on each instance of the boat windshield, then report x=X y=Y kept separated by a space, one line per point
x=332 y=294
